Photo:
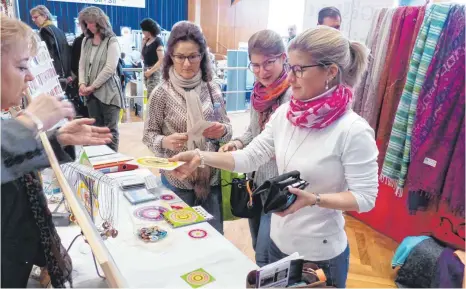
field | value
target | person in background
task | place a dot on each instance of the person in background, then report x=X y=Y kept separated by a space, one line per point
x=333 y=149
x=186 y=97
x=135 y=57
x=73 y=89
x=291 y=32
x=125 y=63
x=267 y=61
x=98 y=79
x=56 y=42
x=330 y=16
x=28 y=234
x=152 y=53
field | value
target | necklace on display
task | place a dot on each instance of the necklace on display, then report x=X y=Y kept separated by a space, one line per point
x=285 y=164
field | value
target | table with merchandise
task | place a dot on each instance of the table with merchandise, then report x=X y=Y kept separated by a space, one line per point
x=152 y=252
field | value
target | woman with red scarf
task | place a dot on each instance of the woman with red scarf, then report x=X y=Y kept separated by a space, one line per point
x=267 y=61
x=318 y=135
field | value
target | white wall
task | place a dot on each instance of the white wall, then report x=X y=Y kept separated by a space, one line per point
x=283 y=13
x=356 y=14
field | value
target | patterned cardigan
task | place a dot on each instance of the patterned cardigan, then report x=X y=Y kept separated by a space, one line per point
x=168 y=115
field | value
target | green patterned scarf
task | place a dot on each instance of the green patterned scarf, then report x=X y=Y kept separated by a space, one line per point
x=395 y=166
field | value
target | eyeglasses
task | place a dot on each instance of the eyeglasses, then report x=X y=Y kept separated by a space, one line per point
x=266 y=65
x=195 y=58
x=298 y=69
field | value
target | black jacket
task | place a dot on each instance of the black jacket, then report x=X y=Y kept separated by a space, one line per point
x=76 y=54
x=58 y=48
x=20 y=235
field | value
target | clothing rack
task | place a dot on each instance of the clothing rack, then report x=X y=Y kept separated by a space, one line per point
x=407 y=29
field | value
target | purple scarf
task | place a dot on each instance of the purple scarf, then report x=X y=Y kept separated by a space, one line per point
x=265 y=100
x=440 y=114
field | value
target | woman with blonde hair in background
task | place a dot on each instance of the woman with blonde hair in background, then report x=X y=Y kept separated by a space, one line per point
x=29 y=236
x=267 y=57
x=98 y=79
x=186 y=97
x=317 y=134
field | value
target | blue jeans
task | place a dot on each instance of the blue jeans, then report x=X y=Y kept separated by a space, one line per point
x=260 y=234
x=213 y=203
x=336 y=269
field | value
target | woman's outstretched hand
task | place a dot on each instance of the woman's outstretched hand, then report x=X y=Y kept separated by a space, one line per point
x=81 y=132
x=192 y=161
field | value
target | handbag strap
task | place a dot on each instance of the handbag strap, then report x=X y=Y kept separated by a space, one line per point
x=249 y=190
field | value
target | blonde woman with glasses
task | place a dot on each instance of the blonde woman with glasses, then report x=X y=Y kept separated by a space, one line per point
x=186 y=97
x=317 y=134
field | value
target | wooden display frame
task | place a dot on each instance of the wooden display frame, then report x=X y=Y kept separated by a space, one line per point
x=112 y=274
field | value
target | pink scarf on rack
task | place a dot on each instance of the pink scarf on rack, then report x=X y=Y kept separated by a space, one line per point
x=322 y=110
x=265 y=99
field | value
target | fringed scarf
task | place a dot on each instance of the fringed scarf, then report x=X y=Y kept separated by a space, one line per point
x=405 y=27
x=363 y=87
x=321 y=111
x=369 y=101
x=395 y=167
x=190 y=89
x=59 y=265
x=265 y=99
x=440 y=119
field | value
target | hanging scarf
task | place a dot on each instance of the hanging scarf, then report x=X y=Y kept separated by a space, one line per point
x=369 y=105
x=440 y=115
x=371 y=42
x=265 y=99
x=453 y=191
x=396 y=162
x=322 y=110
x=405 y=27
x=59 y=266
x=190 y=89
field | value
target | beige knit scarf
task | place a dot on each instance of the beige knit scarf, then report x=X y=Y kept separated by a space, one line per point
x=190 y=89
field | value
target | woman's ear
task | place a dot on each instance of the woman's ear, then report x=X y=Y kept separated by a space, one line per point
x=332 y=71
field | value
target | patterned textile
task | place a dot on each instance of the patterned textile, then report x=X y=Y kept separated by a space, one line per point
x=419 y=268
x=265 y=100
x=321 y=111
x=405 y=27
x=453 y=191
x=395 y=167
x=363 y=86
x=58 y=261
x=370 y=97
x=152 y=81
x=440 y=114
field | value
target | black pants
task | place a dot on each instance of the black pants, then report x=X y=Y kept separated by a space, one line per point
x=105 y=116
x=15 y=268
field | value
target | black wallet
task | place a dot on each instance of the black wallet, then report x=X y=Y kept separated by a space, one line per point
x=279 y=198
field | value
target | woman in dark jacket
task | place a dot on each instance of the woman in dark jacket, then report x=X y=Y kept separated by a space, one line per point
x=28 y=234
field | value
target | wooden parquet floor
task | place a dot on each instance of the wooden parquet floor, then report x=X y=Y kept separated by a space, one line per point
x=370 y=251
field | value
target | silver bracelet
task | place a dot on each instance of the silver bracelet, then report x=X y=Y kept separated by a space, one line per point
x=201 y=156
x=317 y=199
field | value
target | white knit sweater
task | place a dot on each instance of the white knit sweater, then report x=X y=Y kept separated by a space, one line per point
x=341 y=157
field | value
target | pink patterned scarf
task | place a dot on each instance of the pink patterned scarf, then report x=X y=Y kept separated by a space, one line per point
x=265 y=99
x=321 y=111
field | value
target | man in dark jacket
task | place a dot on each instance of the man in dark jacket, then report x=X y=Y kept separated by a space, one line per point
x=56 y=42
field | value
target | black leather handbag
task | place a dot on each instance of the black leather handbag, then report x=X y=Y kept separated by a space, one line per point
x=243 y=203
x=279 y=198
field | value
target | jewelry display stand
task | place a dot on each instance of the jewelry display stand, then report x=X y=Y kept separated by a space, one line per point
x=46 y=81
